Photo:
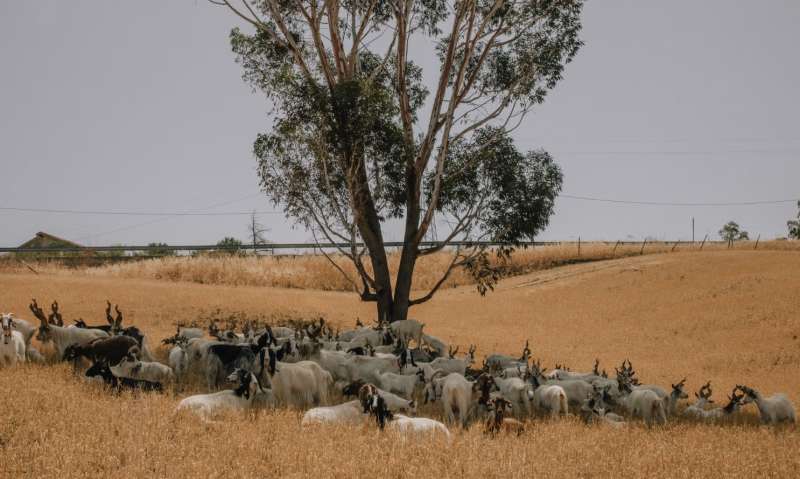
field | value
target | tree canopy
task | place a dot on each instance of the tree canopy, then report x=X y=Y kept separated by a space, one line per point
x=733 y=232
x=794 y=225
x=362 y=134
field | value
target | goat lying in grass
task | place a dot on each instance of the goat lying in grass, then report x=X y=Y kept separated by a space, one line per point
x=132 y=368
x=497 y=421
x=595 y=410
x=773 y=410
x=404 y=425
x=704 y=397
x=240 y=398
x=698 y=409
x=348 y=413
x=102 y=372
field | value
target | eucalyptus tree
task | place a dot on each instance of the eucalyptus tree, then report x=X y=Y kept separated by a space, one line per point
x=794 y=225
x=364 y=136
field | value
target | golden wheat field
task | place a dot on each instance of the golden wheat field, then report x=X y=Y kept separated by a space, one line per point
x=316 y=271
x=726 y=316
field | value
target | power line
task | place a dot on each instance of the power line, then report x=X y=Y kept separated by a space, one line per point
x=247 y=213
x=667 y=203
x=164 y=219
x=136 y=213
x=786 y=151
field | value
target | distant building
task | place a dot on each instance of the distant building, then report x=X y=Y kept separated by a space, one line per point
x=44 y=240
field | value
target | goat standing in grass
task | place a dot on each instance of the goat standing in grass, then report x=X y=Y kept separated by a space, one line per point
x=406 y=330
x=498 y=422
x=25 y=328
x=179 y=359
x=453 y=365
x=645 y=404
x=773 y=410
x=409 y=387
x=300 y=384
x=110 y=350
x=61 y=336
x=12 y=348
x=549 y=399
x=459 y=396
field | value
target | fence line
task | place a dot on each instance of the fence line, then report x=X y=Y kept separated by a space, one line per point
x=305 y=246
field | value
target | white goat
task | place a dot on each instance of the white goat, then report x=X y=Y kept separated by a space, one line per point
x=132 y=368
x=12 y=347
x=452 y=365
x=773 y=410
x=549 y=399
x=179 y=359
x=348 y=413
x=365 y=367
x=734 y=404
x=61 y=336
x=396 y=403
x=239 y=398
x=459 y=396
x=408 y=387
x=518 y=393
x=300 y=384
x=698 y=409
x=403 y=425
x=646 y=404
x=406 y=330
x=24 y=327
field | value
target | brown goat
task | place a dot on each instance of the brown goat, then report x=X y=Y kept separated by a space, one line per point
x=498 y=422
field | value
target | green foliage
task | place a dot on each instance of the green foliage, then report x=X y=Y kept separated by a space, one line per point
x=794 y=226
x=158 y=249
x=229 y=245
x=733 y=232
x=510 y=194
x=357 y=137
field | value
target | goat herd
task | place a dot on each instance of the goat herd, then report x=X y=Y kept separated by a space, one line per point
x=302 y=364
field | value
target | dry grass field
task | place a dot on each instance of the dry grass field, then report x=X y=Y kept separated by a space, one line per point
x=316 y=272
x=728 y=316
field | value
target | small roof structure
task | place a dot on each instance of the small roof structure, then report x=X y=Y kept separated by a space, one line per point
x=46 y=240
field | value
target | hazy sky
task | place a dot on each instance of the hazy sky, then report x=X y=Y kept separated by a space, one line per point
x=139 y=106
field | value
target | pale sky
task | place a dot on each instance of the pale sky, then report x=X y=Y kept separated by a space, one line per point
x=139 y=106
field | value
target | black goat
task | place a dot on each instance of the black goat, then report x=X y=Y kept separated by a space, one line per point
x=110 y=350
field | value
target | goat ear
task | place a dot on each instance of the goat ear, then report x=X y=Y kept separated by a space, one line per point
x=109 y=319
x=118 y=321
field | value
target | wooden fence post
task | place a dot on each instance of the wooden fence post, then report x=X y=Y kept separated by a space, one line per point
x=579 y=245
x=643 y=243
x=675 y=246
x=614 y=253
x=703 y=243
x=757 y=240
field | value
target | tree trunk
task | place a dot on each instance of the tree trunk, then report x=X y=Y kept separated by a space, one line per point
x=369 y=226
x=408 y=258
